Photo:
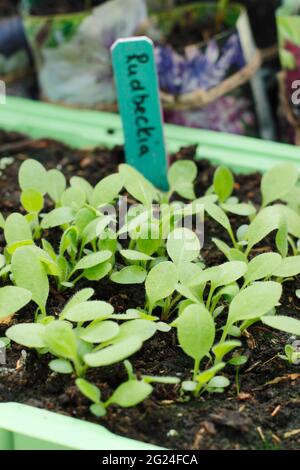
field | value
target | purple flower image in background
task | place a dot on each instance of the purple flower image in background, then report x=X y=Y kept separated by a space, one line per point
x=204 y=68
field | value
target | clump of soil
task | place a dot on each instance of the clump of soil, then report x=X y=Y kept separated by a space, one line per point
x=55 y=7
x=264 y=415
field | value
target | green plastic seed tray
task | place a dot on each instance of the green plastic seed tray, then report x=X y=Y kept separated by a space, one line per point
x=23 y=427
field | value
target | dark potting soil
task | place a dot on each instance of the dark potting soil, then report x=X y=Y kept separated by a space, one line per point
x=265 y=414
x=55 y=7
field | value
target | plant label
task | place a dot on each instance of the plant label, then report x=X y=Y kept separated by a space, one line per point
x=139 y=104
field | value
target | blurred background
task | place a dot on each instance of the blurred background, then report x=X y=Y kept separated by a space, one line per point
x=224 y=66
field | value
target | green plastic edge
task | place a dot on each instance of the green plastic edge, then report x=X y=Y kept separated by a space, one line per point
x=80 y=128
x=25 y=427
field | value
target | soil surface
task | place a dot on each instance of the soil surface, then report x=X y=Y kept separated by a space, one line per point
x=54 y=7
x=266 y=412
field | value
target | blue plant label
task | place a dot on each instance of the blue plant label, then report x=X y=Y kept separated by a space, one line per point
x=140 y=108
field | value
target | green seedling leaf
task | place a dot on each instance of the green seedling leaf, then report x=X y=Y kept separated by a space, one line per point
x=2 y=221
x=90 y=231
x=161 y=281
x=138 y=186
x=207 y=375
x=29 y=273
x=220 y=350
x=196 y=332
x=57 y=217
x=107 y=190
x=13 y=299
x=61 y=366
x=142 y=329
x=94 y=259
x=263 y=224
x=188 y=271
x=188 y=293
x=129 y=275
x=74 y=198
x=135 y=222
x=278 y=182
x=83 y=218
x=282 y=238
x=56 y=184
x=32 y=175
x=98 y=410
x=78 y=298
x=221 y=275
x=131 y=393
x=189 y=386
x=4 y=342
x=60 y=339
x=238 y=361
x=288 y=267
x=262 y=266
x=89 y=390
x=30 y=335
x=100 y=332
x=17 y=229
x=32 y=200
x=50 y=265
x=181 y=177
x=2 y=261
x=268 y=220
x=131 y=314
x=88 y=311
x=98 y=272
x=103 y=224
x=218 y=382
x=69 y=240
x=283 y=323
x=161 y=380
x=183 y=245
x=80 y=183
x=243 y=209
x=114 y=353
x=254 y=302
x=223 y=183
x=132 y=255
x=216 y=213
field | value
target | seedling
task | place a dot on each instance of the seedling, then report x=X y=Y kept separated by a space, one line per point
x=85 y=335
x=128 y=394
x=291 y=355
x=237 y=362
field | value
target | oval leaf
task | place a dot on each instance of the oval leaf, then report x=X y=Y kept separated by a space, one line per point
x=30 y=335
x=254 y=302
x=115 y=353
x=196 y=331
x=13 y=299
x=131 y=393
x=161 y=281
